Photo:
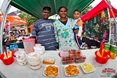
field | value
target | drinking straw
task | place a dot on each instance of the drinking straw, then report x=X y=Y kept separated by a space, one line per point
x=9 y=54
x=101 y=49
x=5 y=55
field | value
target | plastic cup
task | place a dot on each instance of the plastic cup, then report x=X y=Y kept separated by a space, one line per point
x=64 y=54
x=64 y=51
x=21 y=58
x=40 y=49
x=100 y=59
x=7 y=61
x=29 y=44
x=34 y=58
x=106 y=46
x=113 y=49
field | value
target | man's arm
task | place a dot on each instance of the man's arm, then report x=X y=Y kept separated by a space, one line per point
x=35 y=31
x=80 y=24
x=56 y=34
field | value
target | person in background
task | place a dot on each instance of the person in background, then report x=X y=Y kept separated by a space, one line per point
x=64 y=30
x=12 y=37
x=43 y=31
x=77 y=26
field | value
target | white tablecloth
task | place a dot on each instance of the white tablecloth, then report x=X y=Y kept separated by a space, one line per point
x=17 y=71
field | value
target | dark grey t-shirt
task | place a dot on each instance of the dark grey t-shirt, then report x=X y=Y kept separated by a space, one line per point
x=44 y=32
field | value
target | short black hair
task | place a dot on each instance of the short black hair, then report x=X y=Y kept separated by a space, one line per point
x=76 y=10
x=62 y=7
x=47 y=8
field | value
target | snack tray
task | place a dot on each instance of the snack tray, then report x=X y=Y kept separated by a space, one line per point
x=70 y=75
x=46 y=67
x=93 y=68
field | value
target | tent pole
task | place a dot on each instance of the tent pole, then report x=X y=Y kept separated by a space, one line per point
x=4 y=8
x=109 y=4
x=115 y=28
x=109 y=27
x=55 y=6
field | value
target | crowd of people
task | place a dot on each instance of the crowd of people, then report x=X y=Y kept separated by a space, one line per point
x=13 y=36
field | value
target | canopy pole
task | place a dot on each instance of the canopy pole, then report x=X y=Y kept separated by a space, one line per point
x=55 y=6
x=115 y=28
x=109 y=4
x=109 y=26
x=4 y=8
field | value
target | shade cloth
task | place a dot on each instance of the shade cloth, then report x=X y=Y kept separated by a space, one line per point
x=97 y=10
x=34 y=7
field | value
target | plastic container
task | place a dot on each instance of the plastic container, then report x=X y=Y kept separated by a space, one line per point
x=64 y=54
x=7 y=61
x=113 y=49
x=40 y=49
x=49 y=60
x=35 y=67
x=100 y=59
x=29 y=45
x=34 y=58
x=21 y=58
x=88 y=66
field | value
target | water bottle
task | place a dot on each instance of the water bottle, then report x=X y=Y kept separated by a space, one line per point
x=12 y=48
x=16 y=47
x=7 y=49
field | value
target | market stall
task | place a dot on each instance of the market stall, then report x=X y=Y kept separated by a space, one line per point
x=35 y=62
x=100 y=70
x=97 y=22
x=98 y=9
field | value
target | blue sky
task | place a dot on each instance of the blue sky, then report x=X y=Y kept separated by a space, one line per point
x=113 y=2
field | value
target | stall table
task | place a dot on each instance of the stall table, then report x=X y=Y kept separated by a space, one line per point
x=17 y=71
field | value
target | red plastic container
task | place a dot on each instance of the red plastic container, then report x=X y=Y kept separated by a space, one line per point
x=8 y=60
x=101 y=60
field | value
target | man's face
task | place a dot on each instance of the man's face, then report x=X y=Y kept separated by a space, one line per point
x=45 y=14
x=63 y=12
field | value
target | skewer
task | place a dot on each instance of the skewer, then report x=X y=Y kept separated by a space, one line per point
x=5 y=55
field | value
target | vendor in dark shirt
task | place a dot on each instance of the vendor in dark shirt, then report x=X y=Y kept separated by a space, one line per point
x=43 y=31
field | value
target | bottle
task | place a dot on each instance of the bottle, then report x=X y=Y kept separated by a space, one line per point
x=12 y=48
x=7 y=49
x=111 y=41
x=15 y=47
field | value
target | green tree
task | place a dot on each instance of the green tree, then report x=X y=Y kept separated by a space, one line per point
x=86 y=10
x=29 y=18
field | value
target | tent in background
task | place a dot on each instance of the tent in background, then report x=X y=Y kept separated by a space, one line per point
x=34 y=7
x=14 y=20
x=97 y=10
